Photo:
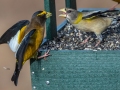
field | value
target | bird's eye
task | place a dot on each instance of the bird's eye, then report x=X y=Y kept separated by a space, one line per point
x=69 y=11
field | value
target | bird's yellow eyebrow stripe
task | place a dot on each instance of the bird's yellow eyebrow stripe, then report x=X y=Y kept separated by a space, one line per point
x=42 y=13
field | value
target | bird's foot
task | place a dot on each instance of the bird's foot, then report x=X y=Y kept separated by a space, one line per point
x=86 y=40
x=113 y=7
x=45 y=55
x=97 y=43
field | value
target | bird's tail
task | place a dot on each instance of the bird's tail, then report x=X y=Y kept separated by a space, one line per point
x=1 y=42
x=15 y=75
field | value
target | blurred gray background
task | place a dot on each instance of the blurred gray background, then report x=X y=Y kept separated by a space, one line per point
x=12 y=11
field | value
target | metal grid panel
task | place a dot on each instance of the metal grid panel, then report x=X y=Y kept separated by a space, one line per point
x=77 y=70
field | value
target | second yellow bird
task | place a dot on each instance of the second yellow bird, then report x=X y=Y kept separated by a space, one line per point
x=87 y=21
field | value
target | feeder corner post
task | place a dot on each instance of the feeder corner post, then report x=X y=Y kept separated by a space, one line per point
x=51 y=29
x=71 y=4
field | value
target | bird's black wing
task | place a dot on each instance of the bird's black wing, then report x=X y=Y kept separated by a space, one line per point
x=20 y=56
x=89 y=15
x=22 y=48
x=11 y=32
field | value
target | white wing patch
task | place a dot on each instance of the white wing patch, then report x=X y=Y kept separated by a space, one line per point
x=19 y=44
x=13 y=43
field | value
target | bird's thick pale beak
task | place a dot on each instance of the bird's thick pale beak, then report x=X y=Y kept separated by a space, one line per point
x=48 y=14
x=64 y=13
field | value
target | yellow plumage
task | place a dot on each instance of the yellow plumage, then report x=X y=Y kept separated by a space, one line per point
x=78 y=19
x=24 y=38
x=21 y=34
x=87 y=21
x=34 y=44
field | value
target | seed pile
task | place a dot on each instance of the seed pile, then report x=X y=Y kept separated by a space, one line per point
x=69 y=38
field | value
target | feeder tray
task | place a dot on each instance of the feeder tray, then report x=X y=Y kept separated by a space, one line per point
x=77 y=69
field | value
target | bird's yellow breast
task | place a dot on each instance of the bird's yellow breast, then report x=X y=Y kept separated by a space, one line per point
x=35 y=42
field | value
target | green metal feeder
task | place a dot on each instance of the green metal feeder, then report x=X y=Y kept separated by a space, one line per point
x=75 y=69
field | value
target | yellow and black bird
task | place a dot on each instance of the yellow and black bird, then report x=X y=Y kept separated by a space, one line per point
x=24 y=38
x=92 y=21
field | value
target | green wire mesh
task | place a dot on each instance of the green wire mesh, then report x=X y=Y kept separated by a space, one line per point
x=77 y=70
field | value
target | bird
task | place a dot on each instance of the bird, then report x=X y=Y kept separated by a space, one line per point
x=24 y=39
x=113 y=7
x=92 y=21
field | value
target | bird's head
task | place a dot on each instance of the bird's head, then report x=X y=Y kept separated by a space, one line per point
x=41 y=16
x=68 y=13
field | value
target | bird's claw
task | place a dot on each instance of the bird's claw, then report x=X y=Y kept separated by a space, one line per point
x=85 y=41
x=97 y=43
x=113 y=7
x=45 y=55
